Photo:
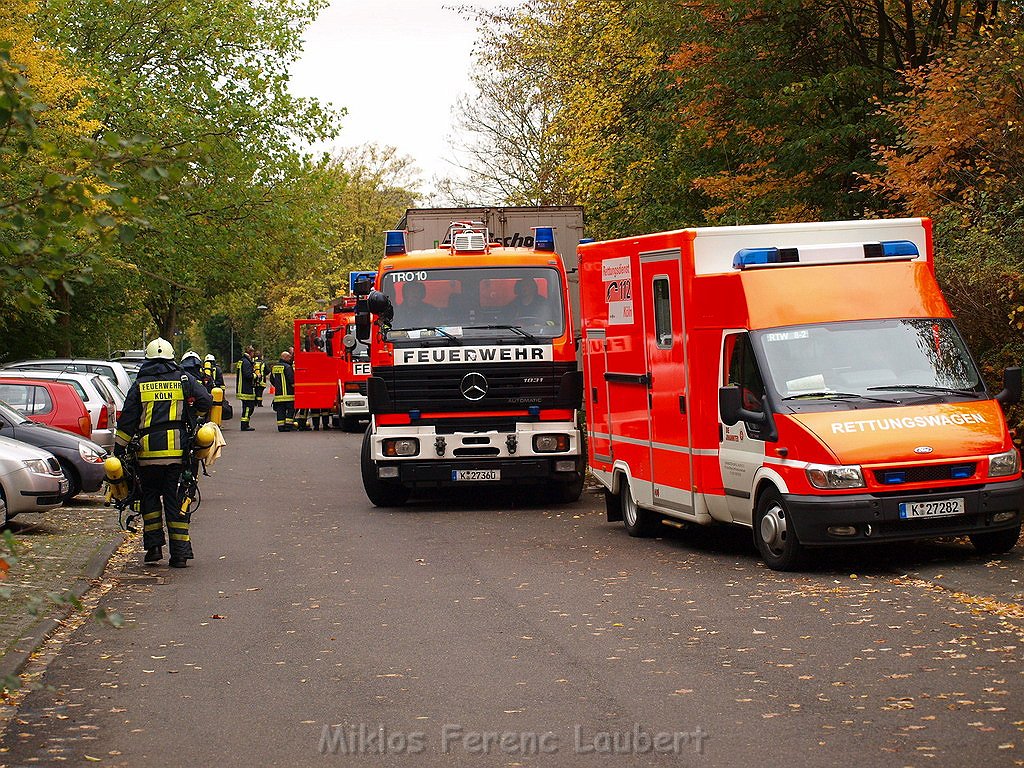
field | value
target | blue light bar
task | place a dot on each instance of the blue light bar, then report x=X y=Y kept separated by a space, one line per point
x=751 y=256
x=533 y=410
x=899 y=248
x=394 y=242
x=584 y=240
x=961 y=472
x=894 y=477
x=544 y=239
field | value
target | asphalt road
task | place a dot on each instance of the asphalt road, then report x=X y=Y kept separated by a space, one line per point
x=489 y=629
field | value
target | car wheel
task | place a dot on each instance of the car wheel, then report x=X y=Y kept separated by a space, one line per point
x=775 y=538
x=996 y=542
x=380 y=492
x=639 y=522
x=4 y=519
x=74 y=483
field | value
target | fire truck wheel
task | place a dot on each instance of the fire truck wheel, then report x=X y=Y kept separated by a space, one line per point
x=996 y=542
x=350 y=424
x=566 y=493
x=638 y=522
x=775 y=539
x=381 y=493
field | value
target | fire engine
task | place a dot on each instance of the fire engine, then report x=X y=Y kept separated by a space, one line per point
x=475 y=379
x=803 y=380
x=331 y=366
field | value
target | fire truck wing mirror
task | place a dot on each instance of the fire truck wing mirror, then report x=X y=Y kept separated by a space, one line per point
x=1011 y=387
x=363 y=326
x=379 y=304
x=349 y=342
x=730 y=405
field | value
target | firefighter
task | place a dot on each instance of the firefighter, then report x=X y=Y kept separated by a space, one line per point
x=282 y=379
x=158 y=410
x=212 y=374
x=260 y=376
x=324 y=416
x=192 y=365
x=245 y=387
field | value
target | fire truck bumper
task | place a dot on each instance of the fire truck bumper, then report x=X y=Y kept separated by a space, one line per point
x=354 y=405
x=525 y=471
x=860 y=518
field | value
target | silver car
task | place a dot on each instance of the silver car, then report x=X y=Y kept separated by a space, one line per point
x=95 y=391
x=31 y=480
x=111 y=370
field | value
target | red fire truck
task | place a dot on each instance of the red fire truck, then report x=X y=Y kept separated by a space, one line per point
x=803 y=380
x=475 y=380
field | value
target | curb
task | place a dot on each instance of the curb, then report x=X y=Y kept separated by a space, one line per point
x=13 y=661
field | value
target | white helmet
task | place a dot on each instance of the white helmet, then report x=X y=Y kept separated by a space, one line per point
x=189 y=355
x=211 y=358
x=159 y=349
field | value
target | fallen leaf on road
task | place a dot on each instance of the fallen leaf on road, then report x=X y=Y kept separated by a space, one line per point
x=216 y=616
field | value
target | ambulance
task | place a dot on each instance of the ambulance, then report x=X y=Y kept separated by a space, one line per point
x=475 y=379
x=805 y=381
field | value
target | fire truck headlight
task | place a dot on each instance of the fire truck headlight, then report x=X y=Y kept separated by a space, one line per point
x=832 y=478
x=1002 y=464
x=550 y=443
x=401 y=446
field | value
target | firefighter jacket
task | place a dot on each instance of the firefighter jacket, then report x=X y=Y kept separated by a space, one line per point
x=213 y=376
x=154 y=411
x=245 y=384
x=282 y=379
x=259 y=371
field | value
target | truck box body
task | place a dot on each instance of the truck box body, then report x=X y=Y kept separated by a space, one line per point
x=845 y=355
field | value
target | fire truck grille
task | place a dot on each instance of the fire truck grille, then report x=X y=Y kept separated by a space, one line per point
x=362 y=388
x=925 y=474
x=473 y=388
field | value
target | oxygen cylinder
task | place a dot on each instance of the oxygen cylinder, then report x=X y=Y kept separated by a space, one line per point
x=117 y=484
x=204 y=440
x=216 y=410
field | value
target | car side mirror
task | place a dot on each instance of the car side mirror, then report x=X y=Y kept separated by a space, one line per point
x=1011 y=387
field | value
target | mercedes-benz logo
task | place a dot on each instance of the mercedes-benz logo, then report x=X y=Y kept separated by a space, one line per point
x=474 y=386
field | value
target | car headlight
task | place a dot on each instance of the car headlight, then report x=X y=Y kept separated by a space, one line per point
x=550 y=443
x=39 y=466
x=1002 y=464
x=90 y=454
x=402 y=446
x=831 y=478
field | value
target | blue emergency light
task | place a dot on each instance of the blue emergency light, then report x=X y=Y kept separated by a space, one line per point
x=961 y=471
x=394 y=242
x=840 y=253
x=533 y=410
x=585 y=240
x=894 y=477
x=543 y=238
x=899 y=248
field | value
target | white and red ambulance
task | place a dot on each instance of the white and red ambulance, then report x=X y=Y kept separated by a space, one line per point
x=803 y=380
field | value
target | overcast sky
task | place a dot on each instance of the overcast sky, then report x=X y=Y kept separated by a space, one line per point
x=397 y=66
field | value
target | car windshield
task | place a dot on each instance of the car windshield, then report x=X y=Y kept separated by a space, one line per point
x=12 y=415
x=873 y=358
x=476 y=302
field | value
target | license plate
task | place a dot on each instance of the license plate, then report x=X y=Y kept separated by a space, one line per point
x=64 y=485
x=942 y=508
x=475 y=475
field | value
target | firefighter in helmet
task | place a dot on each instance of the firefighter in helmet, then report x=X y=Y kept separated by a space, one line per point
x=213 y=376
x=245 y=387
x=158 y=409
x=260 y=376
x=282 y=379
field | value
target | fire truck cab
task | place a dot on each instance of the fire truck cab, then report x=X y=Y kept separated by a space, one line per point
x=475 y=379
x=803 y=380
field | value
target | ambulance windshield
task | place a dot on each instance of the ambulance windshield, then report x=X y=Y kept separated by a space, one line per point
x=521 y=303
x=870 y=358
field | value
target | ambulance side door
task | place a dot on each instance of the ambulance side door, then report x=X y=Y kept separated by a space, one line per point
x=742 y=445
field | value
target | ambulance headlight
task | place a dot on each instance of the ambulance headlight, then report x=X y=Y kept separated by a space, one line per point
x=1002 y=464
x=401 y=446
x=832 y=478
x=550 y=443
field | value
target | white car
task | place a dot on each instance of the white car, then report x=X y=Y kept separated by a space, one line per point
x=31 y=480
x=110 y=369
x=102 y=399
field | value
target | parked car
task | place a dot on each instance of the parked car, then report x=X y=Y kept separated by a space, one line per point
x=50 y=402
x=110 y=369
x=31 y=480
x=98 y=399
x=81 y=460
x=137 y=356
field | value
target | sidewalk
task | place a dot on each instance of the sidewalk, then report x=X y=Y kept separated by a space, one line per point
x=59 y=552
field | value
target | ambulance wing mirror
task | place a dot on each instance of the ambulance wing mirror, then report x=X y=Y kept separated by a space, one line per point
x=730 y=405
x=1011 y=387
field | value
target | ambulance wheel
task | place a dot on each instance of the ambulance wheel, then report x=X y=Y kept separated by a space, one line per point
x=566 y=493
x=381 y=493
x=637 y=521
x=775 y=538
x=996 y=542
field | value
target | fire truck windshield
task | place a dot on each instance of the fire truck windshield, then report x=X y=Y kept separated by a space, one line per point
x=524 y=303
x=870 y=359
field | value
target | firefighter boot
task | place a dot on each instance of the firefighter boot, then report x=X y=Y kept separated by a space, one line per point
x=154 y=555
